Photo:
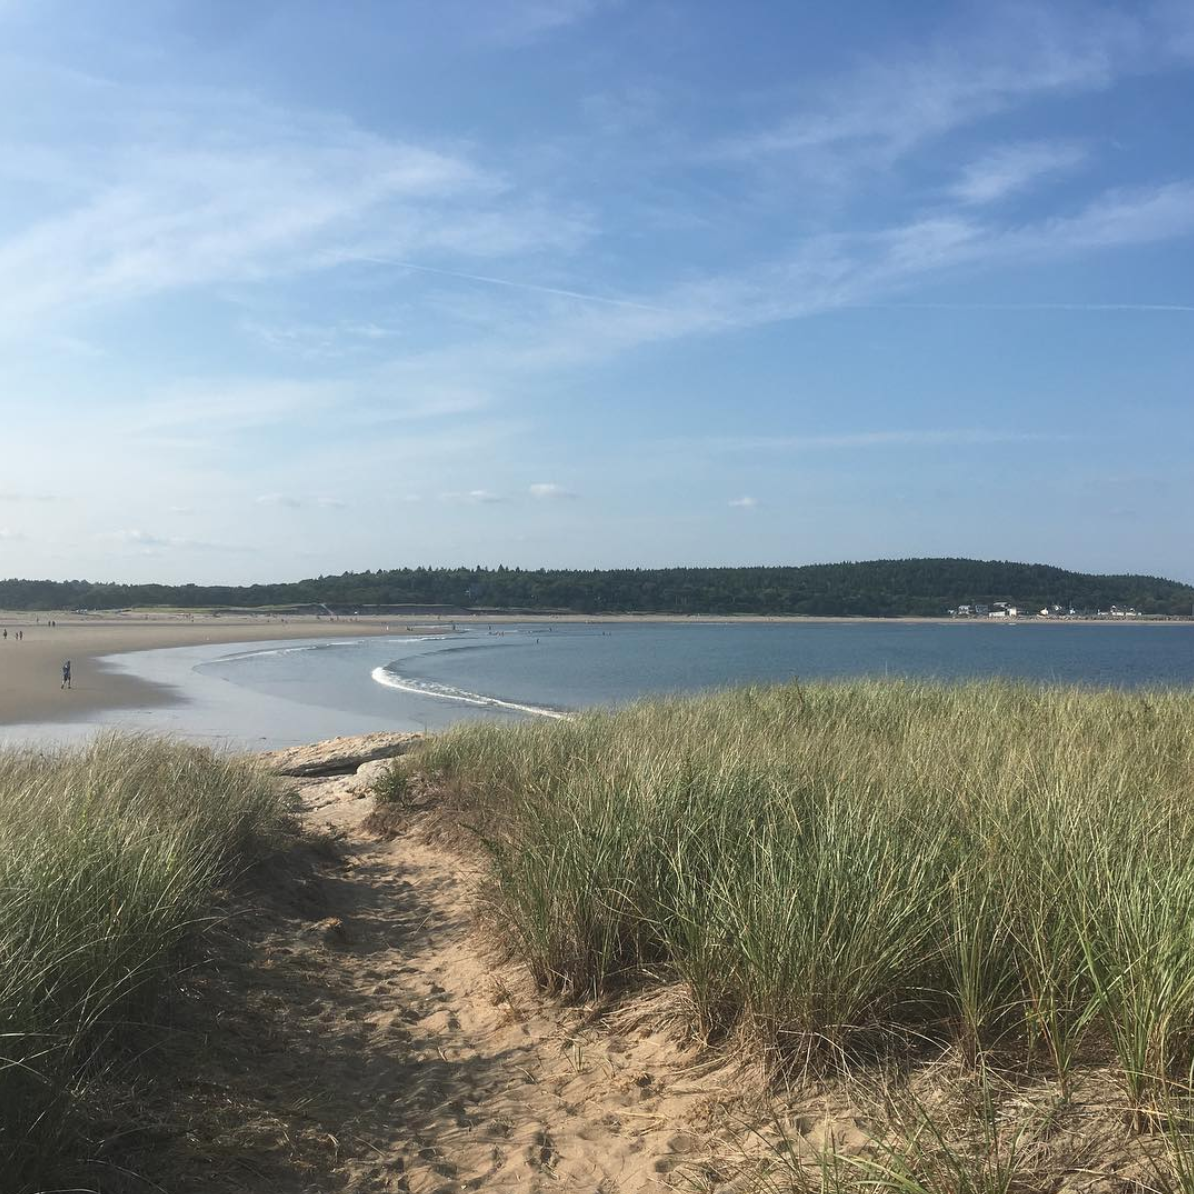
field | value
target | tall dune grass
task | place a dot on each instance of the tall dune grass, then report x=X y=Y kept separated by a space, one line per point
x=838 y=869
x=107 y=856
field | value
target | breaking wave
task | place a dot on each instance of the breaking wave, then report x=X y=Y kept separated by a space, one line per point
x=446 y=693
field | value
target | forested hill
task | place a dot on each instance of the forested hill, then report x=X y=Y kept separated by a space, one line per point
x=882 y=588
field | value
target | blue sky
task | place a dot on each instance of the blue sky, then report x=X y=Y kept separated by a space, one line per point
x=290 y=288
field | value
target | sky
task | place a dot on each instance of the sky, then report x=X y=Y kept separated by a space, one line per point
x=292 y=288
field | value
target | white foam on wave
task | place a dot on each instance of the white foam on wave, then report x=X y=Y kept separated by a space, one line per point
x=446 y=693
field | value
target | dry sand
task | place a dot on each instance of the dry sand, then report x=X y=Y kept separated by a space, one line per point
x=31 y=667
x=359 y=1033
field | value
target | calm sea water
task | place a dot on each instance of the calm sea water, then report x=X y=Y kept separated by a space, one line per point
x=272 y=694
x=543 y=669
x=566 y=667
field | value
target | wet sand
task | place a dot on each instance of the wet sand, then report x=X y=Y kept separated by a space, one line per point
x=31 y=668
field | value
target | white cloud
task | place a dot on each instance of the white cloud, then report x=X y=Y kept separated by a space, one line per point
x=480 y=497
x=286 y=500
x=6 y=534
x=821 y=274
x=744 y=503
x=546 y=491
x=1013 y=168
x=885 y=109
x=218 y=188
x=1119 y=217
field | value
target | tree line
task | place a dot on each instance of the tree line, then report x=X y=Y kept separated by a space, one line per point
x=873 y=588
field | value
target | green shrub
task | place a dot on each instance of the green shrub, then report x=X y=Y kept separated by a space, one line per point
x=393 y=786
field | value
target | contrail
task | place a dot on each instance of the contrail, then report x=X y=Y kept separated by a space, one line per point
x=450 y=273
x=489 y=280
x=1180 y=307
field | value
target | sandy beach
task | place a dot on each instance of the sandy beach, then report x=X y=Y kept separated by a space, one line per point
x=31 y=666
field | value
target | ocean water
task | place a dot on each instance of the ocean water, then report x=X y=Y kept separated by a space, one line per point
x=273 y=694
x=566 y=667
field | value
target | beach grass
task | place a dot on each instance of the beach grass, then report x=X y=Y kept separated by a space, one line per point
x=842 y=871
x=109 y=854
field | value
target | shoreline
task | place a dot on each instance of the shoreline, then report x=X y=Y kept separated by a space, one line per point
x=808 y=620
x=31 y=668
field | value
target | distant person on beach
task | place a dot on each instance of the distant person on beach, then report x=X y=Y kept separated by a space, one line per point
x=66 y=674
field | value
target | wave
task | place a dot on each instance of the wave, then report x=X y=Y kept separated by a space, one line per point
x=446 y=693
x=325 y=646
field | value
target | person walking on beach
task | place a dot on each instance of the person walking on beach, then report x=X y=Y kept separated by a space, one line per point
x=66 y=674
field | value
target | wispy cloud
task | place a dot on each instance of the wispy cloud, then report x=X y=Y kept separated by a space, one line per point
x=1010 y=169
x=145 y=543
x=887 y=108
x=325 y=342
x=743 y=503
x=480 y=497
x=524 y=21
x=548 y=491
x=822 y=274
x=513 y=284
x=133 y=538
x=177 y=201
x=290 y=501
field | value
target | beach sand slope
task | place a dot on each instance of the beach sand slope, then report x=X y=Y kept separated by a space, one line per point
x=32 y=655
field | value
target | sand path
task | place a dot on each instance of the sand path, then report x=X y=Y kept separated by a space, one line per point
x=383 y=1048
